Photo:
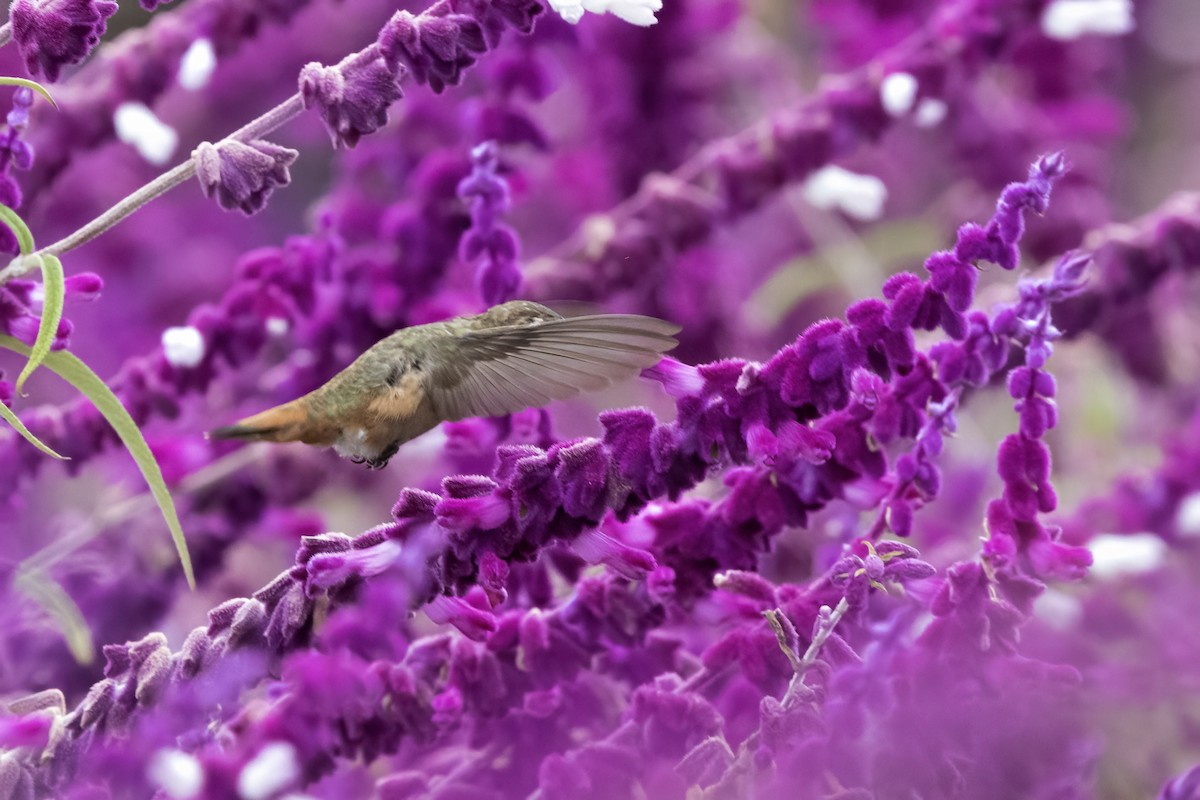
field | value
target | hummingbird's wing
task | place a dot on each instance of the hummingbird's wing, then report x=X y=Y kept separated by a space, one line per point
x=494 y=371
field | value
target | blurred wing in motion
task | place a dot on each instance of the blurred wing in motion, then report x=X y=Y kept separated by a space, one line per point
x=494 y=371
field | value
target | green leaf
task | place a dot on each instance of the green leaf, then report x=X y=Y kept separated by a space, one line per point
x=11 y=418
x=52 y=310
x=28 y=84
x=79 y=375
x=46 y=592
x=19 y=229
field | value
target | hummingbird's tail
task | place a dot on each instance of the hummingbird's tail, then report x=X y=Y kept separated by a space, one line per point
x=283 y=423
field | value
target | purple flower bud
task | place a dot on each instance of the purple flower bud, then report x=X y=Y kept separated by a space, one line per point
x=874 y=567
x=1024 y=466
x=322 y=543
x=289 y=614
x=249 y=622
x=353 y=100
x=954 y=278
x=416 y=505
x=153 y=674
x=191 y=655
x=52 y=34
x=84 y=286
x=242 y=174
x=219 y=618
x=99 y=701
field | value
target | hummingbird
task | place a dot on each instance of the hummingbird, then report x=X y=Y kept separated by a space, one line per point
x=513 y=356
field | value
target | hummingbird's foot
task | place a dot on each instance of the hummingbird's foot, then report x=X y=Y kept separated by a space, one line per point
x=380 y=461
x=358 y=459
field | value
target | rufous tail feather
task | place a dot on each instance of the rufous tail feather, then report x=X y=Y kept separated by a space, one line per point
x=283 y=423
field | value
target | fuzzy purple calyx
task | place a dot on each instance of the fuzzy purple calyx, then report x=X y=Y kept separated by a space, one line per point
x=56 y=34
x=353 y=99
x=242 y=175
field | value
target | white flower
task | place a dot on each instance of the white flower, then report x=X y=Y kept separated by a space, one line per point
x=197 y=65
x=898 y=92
x=153 y=139
x=857 y=196
x=178 y=774
x=1187 y=517
x=930 y=112
x=273 y=769
x=635 y=12
x=1125 y=554
x=1071 y=19
x=183 y=347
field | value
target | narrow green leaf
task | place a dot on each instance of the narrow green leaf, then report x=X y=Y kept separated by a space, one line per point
x=79 y=375
x=7 y=414
x=55 y=288
x=28 y=84
x=19 y=229
x=46 y=592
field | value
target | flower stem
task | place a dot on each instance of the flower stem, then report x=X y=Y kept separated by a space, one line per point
x=275 y=118
x=814 y=649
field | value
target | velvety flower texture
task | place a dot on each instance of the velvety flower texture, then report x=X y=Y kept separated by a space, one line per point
x=53 y=34
x=450 y=36
x=868 y=544
x=536 y=497
x=353 y=99
x=242 y=175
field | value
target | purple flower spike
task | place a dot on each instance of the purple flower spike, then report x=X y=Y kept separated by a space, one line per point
x=15 y=152
x=353 y=100
x=436 y=48
x=488 y=240
x=242 y=175
x=58 y=33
